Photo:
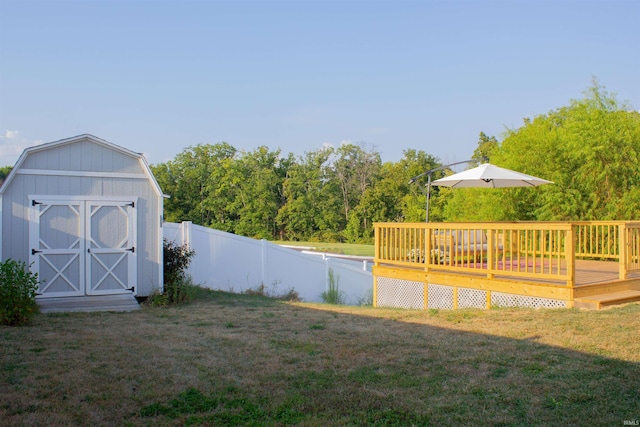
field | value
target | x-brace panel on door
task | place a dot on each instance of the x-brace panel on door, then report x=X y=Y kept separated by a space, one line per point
x=111 y=247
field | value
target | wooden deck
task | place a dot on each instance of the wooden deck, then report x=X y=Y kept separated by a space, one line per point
x=587 y=272
x=122 y=302
x=586 y=265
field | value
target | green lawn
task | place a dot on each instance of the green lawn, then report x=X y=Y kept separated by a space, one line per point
x=229 y=359
x=337 y=248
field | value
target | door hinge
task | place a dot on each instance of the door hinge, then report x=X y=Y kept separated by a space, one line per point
x=132 y=289
x=132 y=249
x=132 y=204
x=35 y=251
x=33 y=203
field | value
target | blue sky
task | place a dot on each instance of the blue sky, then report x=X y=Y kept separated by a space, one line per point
x=159 y=76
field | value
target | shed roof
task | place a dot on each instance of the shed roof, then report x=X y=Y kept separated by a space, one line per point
x=79 y=138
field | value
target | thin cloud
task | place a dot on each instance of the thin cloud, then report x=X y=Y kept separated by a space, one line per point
x=12 y=145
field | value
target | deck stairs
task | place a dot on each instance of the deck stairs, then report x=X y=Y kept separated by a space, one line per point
x=121 y=302
x=596 y=297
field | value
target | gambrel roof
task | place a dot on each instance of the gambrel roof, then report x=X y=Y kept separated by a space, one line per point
x=78 y=170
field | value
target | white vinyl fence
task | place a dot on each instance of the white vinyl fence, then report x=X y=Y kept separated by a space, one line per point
x=227 y=262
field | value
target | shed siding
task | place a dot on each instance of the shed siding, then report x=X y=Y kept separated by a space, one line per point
x=83 y=156
x=89 y=157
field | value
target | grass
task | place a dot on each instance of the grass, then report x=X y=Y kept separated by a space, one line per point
x=230 y=359
x=336 y=248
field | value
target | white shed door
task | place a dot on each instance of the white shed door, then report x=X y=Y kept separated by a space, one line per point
x=111 y=247
x=56 y=237
x=83 y=247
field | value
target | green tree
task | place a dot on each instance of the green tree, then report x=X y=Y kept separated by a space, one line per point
x=487 y=145
x=392 y=198
x=4 y=173
x=589 y=149
x=355 y=170
x=312 y=208
x=191 y=178
x=258 y=181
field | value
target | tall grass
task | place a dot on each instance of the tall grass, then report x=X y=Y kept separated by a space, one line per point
x=333 y=295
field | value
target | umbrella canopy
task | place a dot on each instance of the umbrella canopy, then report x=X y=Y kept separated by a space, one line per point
x=490 y=176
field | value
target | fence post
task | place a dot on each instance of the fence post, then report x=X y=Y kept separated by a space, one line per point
x=327 y=261
x=186 y=241
x=179 y=237
x=263 y=261
x=186 y=233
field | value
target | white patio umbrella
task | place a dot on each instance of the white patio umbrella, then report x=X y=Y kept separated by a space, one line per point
x=490 y=176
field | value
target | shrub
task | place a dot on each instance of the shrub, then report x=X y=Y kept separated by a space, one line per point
x=176 y=261
x=18 y=289
x=290 y=295
x=367 y=298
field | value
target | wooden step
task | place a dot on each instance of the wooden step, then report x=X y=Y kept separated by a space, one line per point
x=601 y=300
x=120 y=302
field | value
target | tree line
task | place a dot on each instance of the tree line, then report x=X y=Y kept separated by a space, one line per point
x=590 y=149
x=330 y=194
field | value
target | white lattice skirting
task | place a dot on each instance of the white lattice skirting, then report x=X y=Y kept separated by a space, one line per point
x=439 y=296
x=509 y=300
x=472 y=298
x=399 y=293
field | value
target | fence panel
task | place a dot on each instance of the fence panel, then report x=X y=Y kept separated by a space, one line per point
x=287 y=268
x=233 y=263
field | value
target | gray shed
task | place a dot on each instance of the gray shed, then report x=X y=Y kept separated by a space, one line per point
x=87 y=215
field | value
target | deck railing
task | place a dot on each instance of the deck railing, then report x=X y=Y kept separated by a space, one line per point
x=631 y=244
x=520 y=250
x=597 y=239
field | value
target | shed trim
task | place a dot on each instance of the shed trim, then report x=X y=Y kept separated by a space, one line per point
x=52 y=172
x=46 y=197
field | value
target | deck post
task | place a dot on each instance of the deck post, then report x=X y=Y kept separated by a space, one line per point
x=623 y=251
x=570 y=255
x=425 y=302
x=491 y=240
x=427 y=249
x=376 y=244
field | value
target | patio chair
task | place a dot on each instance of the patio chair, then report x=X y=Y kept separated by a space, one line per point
x=465 y=244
